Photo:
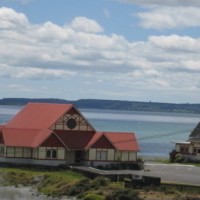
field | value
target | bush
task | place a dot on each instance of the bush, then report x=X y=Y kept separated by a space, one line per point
x=124 y=194
x=125 y=165
x=93 y=197
x=174 y=156
x=99 y=181
x=80 y=187
x=86 y=184
x=140 y=163
x=179 y=158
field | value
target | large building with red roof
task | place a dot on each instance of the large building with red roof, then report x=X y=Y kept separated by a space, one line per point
x=55 y=134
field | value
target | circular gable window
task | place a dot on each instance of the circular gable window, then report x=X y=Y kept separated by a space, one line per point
x=71 y=123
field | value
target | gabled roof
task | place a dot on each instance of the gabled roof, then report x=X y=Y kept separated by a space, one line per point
x=122 y=141
x=38 y=115
x=195 y=134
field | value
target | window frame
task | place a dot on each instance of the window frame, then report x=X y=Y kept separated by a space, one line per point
x=51 y=153
x=101 y=154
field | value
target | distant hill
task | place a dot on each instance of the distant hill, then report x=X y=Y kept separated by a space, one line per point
x=111 y=104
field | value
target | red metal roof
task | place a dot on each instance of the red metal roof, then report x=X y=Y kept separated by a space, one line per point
x=19 y=137
x=38 y=115
x=2 y=126
x=40 y=137
x=122 y=141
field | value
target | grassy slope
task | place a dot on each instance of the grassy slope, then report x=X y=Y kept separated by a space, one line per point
x=60 y=183
x=47 y=182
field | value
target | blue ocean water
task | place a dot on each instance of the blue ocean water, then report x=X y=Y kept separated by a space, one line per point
x=156 y=132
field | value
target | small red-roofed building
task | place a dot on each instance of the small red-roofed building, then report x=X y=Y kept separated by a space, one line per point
x=56 y=134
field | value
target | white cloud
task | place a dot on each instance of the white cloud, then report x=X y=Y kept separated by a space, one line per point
x=176 y=43
x=170 y=17
x=84 y=24
x=185 y=3
x=81 y=50
x=33 y=73
x=11 y=20
x=192 y=65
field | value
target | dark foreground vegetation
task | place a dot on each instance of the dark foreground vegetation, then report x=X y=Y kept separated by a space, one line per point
x=67 y=183
x=112 y=104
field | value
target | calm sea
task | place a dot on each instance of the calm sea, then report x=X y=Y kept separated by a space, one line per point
x=156 y=131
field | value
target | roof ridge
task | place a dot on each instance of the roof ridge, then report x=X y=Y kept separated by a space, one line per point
x=17 y=128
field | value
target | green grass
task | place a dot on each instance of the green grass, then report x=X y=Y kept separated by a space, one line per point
x=53 y=183
x=60 y=183
x=69 y=183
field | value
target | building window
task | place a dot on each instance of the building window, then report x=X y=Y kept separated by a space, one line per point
x=101 y=154
x=51 y=153
x=1 y=151
x=184 y=149
x=197 y=150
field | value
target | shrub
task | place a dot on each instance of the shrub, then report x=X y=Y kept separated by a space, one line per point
x=174 y=156
x=179 y=158
x=100 y=181
x=93 y=197
x=125 y=165
x=123 y=194
x=86 y=184
x=80 y=187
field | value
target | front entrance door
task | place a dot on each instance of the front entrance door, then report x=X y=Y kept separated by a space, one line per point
x=78 y=156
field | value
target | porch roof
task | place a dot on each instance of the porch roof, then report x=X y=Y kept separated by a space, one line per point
x=122 y=141
x=182 y=142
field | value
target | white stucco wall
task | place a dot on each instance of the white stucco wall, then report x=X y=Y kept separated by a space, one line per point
x=41 y=153
x=10 y=152
x=177 y=147
x=61 y=153
x=132 y=156
x=18 y=152
x=92 y=154
x=111 y=154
